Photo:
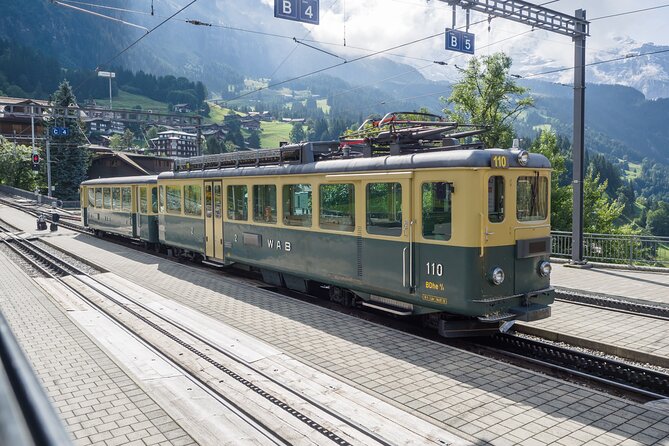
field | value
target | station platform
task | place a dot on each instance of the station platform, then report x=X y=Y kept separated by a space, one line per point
x=633 y=336
x=626 y=284
x=98 y=402
x=477 y=399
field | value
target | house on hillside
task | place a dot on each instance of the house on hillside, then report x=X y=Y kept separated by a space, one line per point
x=15 y=118
x=174 y=143
x=182 y=108
x=107 y=163
x=294 y=120
x=249 y=122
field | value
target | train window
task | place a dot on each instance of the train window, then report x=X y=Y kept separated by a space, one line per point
x=217 y=201
x=173 y=199
x=384 y=208
x=532 y=198
x=154 y=200
x=106 y=193
x=193 y=200
x=126 y=199
x=496 y=199
x=143 y=201
x=237 y=203
x=116 y=198
x=437 y=211
x=161 y=199
x=297 y=205
x=264 y=203
x=98 y=197
x=91 y=196
x=337 y=207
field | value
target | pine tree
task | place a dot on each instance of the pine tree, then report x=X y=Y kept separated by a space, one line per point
x=69 y=159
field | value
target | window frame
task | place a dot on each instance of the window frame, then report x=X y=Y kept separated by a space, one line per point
x=288 y=198
x=173 y=188
x=263 y=216
x=394 y=187
x=192 y=207
x=231 y=211
x=447 y=236
x=494 y=195
x=337 y=223
x=540 y=188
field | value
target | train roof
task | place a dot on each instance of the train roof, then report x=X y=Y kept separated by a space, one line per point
x=426 y=160
x=139 y=179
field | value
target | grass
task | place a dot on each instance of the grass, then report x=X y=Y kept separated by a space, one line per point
x=323 y=105
x=274 y=132
x=128 y=101
x=633 y=172
x=217 y=113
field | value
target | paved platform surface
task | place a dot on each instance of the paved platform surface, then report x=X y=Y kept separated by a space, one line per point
x=633 y=333
x=98 y=402
x=650 y=286
x=473 y=397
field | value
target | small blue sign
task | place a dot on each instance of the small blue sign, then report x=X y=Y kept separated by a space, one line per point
x=460 y=41
x=60 y=131
x=306 y=11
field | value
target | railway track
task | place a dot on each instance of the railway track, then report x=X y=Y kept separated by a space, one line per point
x=305 y=412
x=643 y=382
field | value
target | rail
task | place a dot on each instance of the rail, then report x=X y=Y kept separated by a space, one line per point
x=632 y=250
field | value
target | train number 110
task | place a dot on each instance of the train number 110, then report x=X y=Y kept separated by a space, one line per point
x=434 y=269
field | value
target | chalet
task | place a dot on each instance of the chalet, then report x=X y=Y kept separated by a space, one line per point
x=107 y=163
x=15 y=118
x=249 y=122
x=182 y=108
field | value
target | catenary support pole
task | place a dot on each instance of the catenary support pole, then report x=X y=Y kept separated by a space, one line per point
x=578 y=146
x=48 y=167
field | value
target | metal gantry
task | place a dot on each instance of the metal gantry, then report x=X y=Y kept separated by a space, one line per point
x=578 y=28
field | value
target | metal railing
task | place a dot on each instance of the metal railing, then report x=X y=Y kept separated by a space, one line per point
x=633 y=250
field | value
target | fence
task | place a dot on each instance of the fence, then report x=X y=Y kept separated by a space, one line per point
x=615 y=248
x=51 y=201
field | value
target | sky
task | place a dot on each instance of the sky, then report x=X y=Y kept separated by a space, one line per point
x=381 y=24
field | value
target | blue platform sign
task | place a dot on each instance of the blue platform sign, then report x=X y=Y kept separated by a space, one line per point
x=60 y=131
x=460 y=41
x=299 y=10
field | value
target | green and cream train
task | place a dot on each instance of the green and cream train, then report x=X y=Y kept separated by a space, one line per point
x=459 y=237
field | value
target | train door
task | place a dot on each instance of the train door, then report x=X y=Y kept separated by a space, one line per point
x=140 y=196
x=389 y=248
x=213 y=205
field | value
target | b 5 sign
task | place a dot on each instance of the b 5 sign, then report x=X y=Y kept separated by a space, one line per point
x=459 y=41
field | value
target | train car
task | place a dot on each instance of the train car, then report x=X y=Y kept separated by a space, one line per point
x=411 y=228
x=126 y=206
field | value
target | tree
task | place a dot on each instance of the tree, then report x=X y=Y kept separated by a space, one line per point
x=488 y=96
x=657 y=221
x=599 y=211
x=561 y=199
x=253 y=141
x=16 y=166
x=69 y=159
x=213 y=145
x=297 y=133
x=128 y=138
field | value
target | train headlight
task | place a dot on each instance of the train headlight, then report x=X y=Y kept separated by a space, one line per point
x=497 y=276
x=545 y=268
x=523 y=158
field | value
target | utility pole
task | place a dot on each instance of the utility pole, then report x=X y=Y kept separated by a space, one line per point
x=110 y=75
x=576 y=27
x=48 y=166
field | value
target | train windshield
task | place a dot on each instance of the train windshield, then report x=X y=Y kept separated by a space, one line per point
x=532 y=198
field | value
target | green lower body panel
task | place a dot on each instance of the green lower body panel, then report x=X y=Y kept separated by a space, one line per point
x=429 y=277
x=116 y=222
x=182 y=232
